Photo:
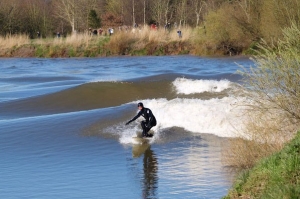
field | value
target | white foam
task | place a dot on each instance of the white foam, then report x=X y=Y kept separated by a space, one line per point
x=127 y=134
x=97 y=80
x=189 y=86
x=215 y=116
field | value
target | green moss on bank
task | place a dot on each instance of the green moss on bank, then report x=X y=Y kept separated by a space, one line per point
x=277 y=176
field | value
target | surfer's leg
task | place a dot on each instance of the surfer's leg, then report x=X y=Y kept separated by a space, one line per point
x=148 y=134
x=146 y=129
x=143 y=124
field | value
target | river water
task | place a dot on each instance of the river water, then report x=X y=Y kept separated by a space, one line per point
x=62 y=132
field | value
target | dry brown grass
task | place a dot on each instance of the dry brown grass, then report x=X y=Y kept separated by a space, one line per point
x=160 y=35
x=121 y=42
x=264 y=132
x=75 y=40
x=146 y=39
x=11 y=41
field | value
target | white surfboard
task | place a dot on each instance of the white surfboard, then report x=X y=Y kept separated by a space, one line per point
x=141 y=140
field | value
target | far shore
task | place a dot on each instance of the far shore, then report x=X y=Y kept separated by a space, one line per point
x=141 y=43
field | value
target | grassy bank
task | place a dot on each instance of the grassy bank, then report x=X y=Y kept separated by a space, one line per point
x=268 y=149
x=139 y=42
x=133 y=42
x=277 y=176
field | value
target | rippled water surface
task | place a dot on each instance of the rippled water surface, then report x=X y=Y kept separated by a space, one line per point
x=62 y=132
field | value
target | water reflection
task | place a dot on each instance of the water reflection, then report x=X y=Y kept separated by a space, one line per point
x=150 y=169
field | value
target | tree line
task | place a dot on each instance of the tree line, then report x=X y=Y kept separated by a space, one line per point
x=229 y=23
x=66 y=16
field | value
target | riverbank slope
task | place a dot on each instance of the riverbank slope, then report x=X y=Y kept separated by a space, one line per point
x=277 y=176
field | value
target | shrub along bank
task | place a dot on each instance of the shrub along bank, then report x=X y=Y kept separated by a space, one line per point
x=273 y=117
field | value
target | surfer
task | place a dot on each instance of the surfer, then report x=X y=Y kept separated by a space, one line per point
x=150 y=119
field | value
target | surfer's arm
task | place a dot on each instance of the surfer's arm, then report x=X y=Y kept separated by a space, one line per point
x=137 y=116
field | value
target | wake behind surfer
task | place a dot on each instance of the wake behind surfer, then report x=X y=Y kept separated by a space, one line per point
x=146 y=124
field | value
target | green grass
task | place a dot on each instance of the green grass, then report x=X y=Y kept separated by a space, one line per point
x=277 y=176
x=71 y=52
x=40 y=51
x=139 y=52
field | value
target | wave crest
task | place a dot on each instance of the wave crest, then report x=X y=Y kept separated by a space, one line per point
x=189 y=86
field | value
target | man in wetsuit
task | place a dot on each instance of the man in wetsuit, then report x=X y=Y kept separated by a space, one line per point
x=150 y=119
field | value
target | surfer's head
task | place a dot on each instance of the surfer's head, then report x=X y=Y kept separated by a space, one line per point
x=140 y=105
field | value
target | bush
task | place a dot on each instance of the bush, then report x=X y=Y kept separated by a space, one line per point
x=223 y=32
x=272 y=105
x=274 y=82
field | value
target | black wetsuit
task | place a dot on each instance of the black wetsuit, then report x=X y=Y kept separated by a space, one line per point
x=148 y=123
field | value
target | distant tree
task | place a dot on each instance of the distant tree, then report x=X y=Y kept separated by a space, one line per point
x=1 y=20
x=66 y=10
x=161 y=11
x=138 y=11
x=146 y=4
x=36 y=17
x=9 y=10
x=114 y=8
x=84 y=8
x=197 y=7
x=93 y=19
x=182 y=12
x=76 y=12
x=111 y=20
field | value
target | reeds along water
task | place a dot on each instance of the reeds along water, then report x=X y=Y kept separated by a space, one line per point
x=10 y=41
x=123 y=42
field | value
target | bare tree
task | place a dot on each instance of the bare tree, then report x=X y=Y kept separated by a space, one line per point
x=181 y=12
x=114 y=6
x=84 y=8
x=198 y=6
x=161 y=11
x=144 y=12
x=10 y=11
x=76 y=12
x=133 y=16
x=36 y=17
x=246 y=7
x=67 y=10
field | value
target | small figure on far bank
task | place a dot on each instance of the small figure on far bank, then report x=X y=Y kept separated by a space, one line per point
x=38 y=34
x=146 y=124
x=95 y=32
x=179 y=33
x=168 y=26
x=153 y=27
x=100 y=31
x=58 y=34
x=110 y=31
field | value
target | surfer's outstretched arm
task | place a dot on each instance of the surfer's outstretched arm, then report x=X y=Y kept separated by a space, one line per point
x=137 y=116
